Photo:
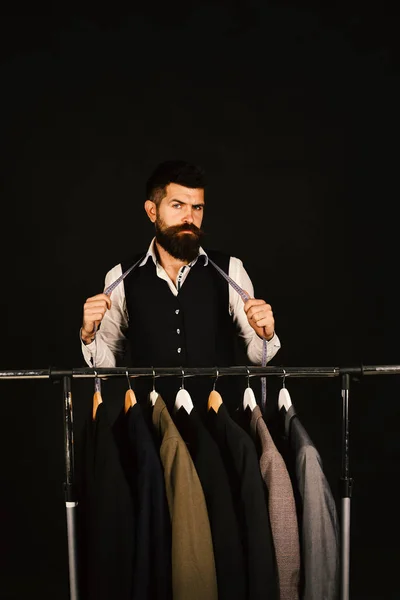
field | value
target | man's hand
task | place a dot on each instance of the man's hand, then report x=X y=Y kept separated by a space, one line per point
x=94 y=310
x=260 y=316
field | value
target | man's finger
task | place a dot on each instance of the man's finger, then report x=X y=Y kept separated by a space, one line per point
x=254 y=302
x=94 y=307
x=98 y=297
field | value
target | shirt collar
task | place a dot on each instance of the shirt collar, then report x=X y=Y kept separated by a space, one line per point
x=151 y=252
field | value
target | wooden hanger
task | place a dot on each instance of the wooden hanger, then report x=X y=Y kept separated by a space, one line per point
x=214 y=399
x=130 y=398
x=249 y=399
x=97 y=400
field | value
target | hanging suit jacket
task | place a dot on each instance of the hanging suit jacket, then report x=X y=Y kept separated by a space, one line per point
x=152 y=566
x=318 y=519
x=241 y=463
x=282 y=509
x=106 y=516
x=193 y=566
x=228 y=550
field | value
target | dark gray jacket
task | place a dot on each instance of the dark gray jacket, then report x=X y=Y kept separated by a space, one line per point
x=318 y=521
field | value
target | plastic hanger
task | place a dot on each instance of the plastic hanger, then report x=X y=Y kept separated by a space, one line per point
x=97 y=400
x=284 y=396
x=183 y=398
x=214 y=399
x=130 y=398
x=153 y=394
x=249 y=399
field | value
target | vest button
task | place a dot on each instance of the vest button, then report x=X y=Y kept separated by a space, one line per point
x=179 y=350
x=178 y=331
x=177 y=311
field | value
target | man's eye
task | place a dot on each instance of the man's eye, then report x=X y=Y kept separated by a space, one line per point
x=176 y=205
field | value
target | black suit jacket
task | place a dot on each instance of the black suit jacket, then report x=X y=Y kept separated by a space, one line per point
x=152 y=567
x=241 y=463
x=106 y=517
x=228 y=549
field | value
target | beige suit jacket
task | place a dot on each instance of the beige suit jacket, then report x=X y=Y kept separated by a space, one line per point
x=193 y=566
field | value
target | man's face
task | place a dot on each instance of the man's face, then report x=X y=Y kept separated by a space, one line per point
x=178 y=221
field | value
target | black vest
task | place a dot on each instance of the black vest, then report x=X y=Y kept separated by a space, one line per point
x=192 y=329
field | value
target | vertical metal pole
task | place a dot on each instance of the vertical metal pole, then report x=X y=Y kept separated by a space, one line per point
x=346 y=488
x=69 y=490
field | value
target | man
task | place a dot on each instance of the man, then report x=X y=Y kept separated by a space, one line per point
x=175 y=308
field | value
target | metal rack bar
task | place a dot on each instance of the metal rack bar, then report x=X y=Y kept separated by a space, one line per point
x=87 y=372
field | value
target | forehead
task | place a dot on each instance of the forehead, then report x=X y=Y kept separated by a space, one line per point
x=183 y=194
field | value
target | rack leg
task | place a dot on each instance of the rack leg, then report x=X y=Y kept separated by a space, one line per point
x=345 y=549
x=346 y=488
x=69 y=490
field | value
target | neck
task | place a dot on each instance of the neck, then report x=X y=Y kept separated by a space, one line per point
x=166 y=260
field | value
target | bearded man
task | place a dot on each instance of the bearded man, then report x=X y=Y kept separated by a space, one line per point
x=174 y=308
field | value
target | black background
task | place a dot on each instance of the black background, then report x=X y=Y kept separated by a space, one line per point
x=293 y=112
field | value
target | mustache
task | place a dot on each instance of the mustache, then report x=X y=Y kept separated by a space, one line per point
x=175 y=229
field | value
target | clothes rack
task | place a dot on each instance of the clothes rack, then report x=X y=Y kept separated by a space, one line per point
x=66 y=375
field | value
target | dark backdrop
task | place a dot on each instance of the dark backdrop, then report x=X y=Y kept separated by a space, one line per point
x=293 y=112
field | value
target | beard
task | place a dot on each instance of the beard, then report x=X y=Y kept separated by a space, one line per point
x=183 y=246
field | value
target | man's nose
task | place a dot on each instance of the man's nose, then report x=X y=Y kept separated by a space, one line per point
x=188 y=217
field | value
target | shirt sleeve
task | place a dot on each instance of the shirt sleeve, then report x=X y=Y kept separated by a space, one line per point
x=109 y=345
x=253 y=343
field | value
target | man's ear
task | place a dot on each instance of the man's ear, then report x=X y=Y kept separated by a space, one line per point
x=151 y=210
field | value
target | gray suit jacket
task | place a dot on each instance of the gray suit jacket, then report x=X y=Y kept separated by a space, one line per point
x=319 y=525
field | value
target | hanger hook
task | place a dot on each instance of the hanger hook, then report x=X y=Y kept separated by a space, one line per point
x=154 y=380
x=284 y=377
x=183 y=378
x=96 y=381
x=127 y=376
x=216 y=378
x=248 y=377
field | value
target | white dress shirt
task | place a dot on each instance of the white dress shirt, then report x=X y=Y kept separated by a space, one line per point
x=110 y=342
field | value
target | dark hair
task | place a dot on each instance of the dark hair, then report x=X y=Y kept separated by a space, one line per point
x=173 y=171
